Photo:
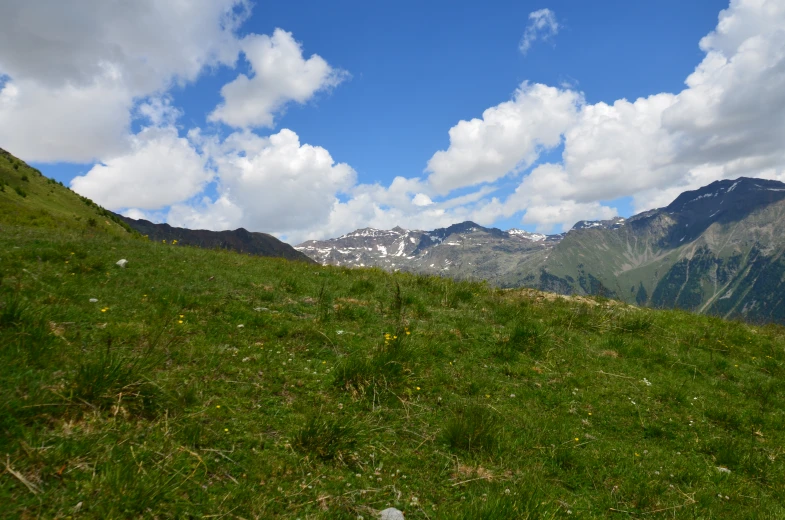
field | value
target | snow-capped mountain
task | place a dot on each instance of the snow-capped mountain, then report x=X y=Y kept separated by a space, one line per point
x=462 y=250
x=719 y=249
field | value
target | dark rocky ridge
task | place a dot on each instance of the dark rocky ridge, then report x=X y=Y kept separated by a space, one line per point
x=240 y=240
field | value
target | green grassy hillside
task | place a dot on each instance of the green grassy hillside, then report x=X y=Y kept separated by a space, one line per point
x=212 y=384
x=734 y=268
x=29 y=198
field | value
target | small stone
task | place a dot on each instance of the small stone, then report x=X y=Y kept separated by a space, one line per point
x=122 y=263
x=240 y=326
x=392 y=514
x=93 y=300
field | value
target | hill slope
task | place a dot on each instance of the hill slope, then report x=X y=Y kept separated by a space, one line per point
x=28 y=198
x=198 y=383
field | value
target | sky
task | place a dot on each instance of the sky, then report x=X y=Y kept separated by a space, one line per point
x=308 y=120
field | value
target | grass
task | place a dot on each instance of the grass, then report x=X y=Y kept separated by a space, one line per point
x=207 y=383
x=28 y=198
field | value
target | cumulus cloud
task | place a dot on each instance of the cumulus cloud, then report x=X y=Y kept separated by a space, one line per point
x=508 y=138
x=159 y=169
x=64 y=123
x=146 y=42
x=280 y=75
x=386 y=207
x=76 y=69
x=728 y=121
x=268 y=183
x=542 y=26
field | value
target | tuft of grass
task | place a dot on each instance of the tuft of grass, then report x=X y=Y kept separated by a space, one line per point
x=326 y=437
x=472 y=427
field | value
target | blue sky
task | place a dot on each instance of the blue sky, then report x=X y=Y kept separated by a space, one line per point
x=403 y=75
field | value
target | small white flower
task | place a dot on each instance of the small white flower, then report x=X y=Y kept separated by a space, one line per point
x=240 y=326
x=93 y=300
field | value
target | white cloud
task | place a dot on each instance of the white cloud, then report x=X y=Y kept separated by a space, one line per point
x=77 y=68
x=508 y=138
x=729 y=121
x=280 y=75
x=546 y=215
x=160 y=169
x=421 y=199
x=146 y=42
x=272 y=184
x=70 y=123
x=542 y=26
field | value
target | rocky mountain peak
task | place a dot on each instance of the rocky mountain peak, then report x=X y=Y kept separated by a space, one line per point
x=614 y=223
x=743 y=191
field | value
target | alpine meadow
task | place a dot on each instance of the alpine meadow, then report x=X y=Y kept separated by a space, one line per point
x=444 y=260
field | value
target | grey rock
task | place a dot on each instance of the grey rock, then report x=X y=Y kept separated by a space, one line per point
x=122 y=263
x=392 y=514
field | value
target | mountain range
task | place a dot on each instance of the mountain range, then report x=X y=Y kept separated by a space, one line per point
x=716 y=250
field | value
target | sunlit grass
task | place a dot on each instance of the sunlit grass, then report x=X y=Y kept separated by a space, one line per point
x=210 y=383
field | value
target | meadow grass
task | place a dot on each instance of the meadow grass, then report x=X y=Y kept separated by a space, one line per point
x=214 y=384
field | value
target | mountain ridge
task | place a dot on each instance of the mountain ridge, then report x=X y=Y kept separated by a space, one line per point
x=240 y=239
